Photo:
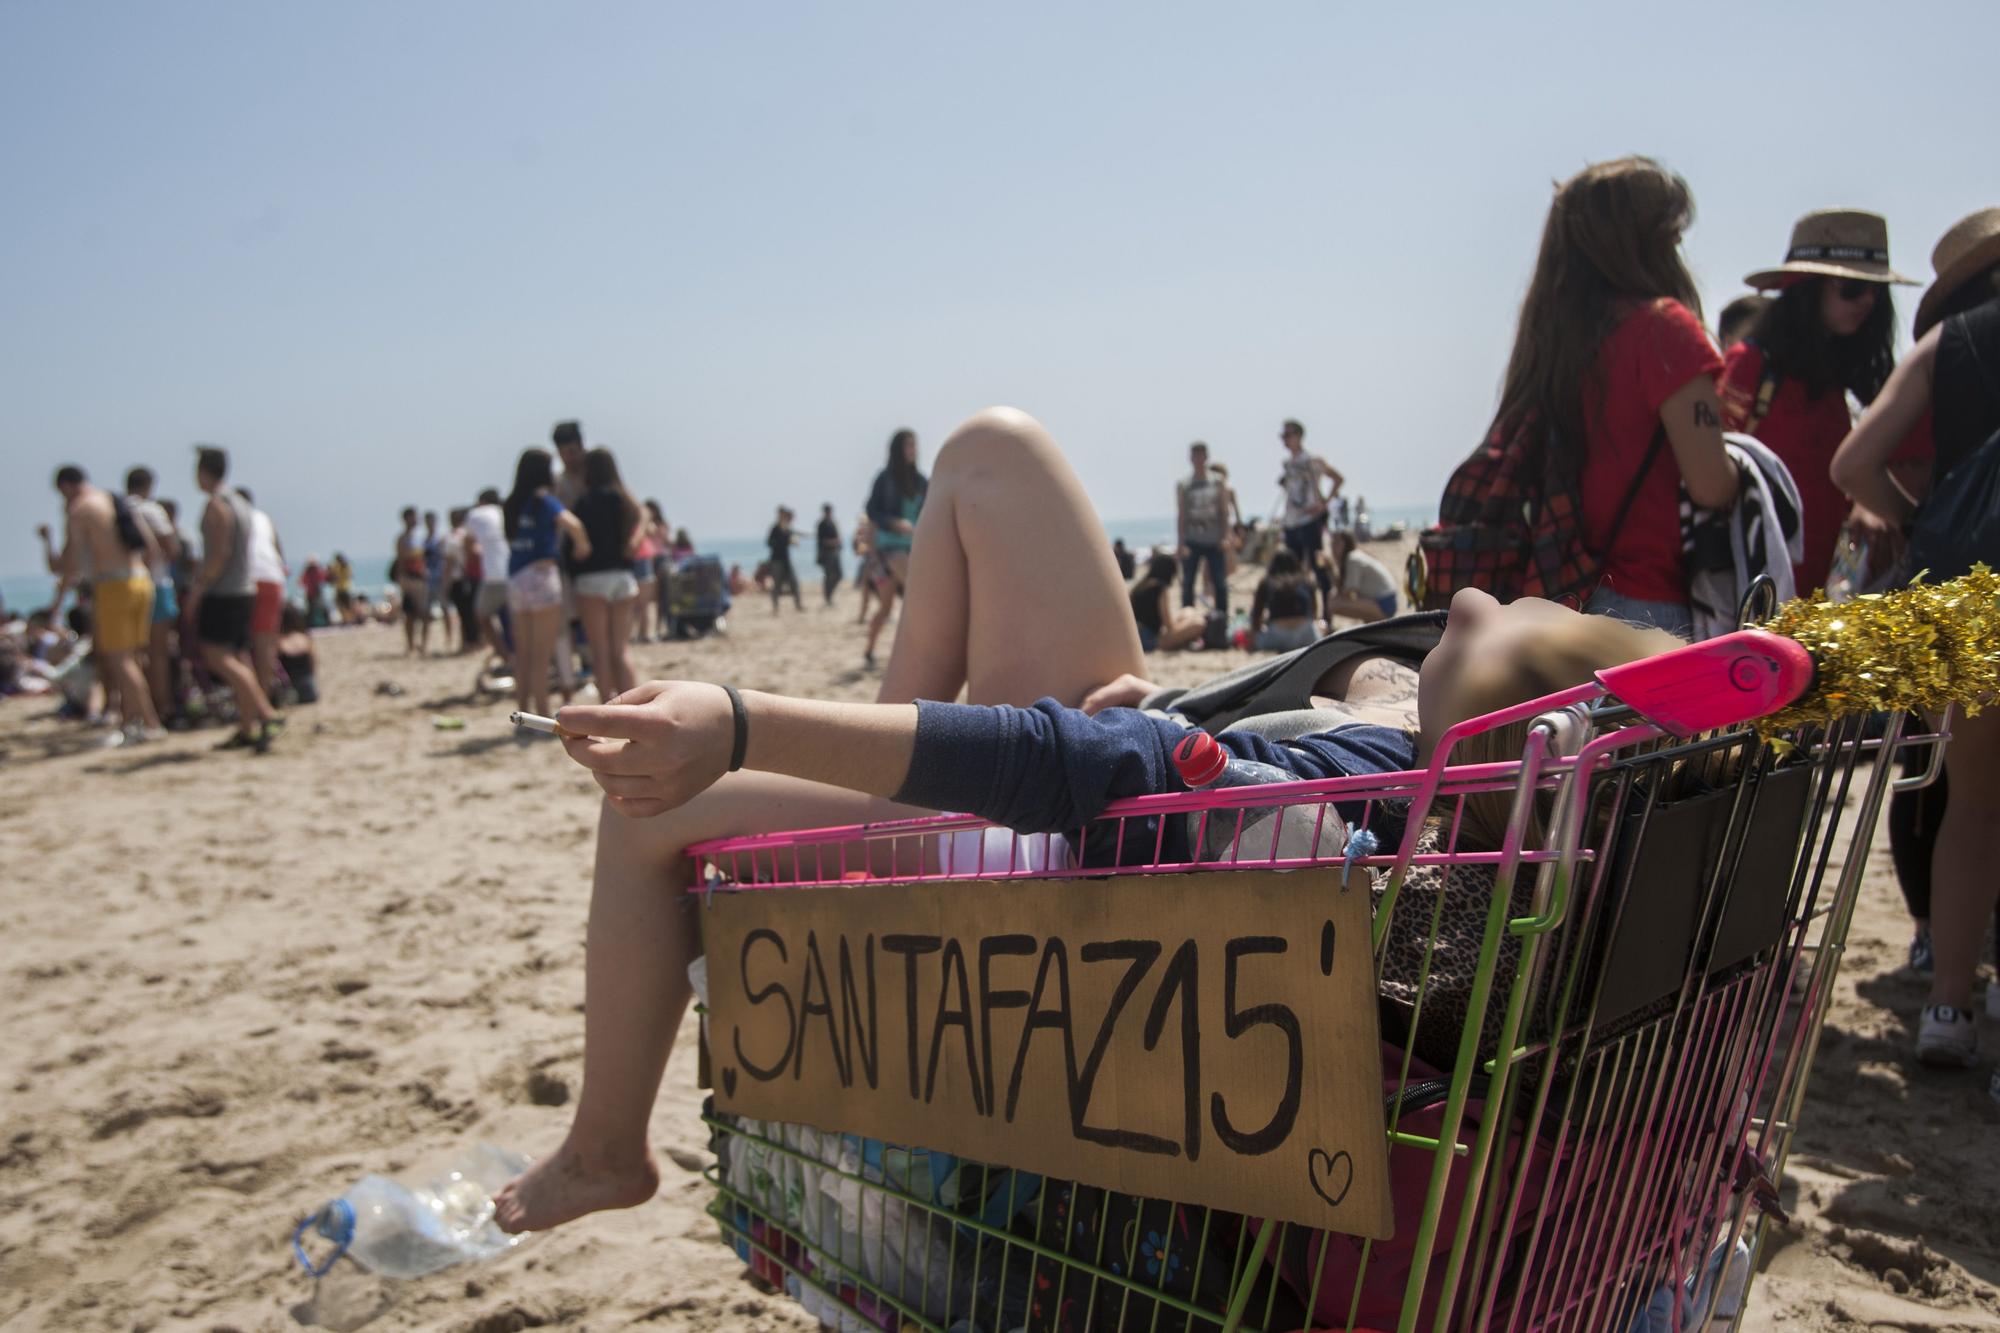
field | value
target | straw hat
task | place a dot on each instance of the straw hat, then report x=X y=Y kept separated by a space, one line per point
x=1834 y=243
x=1967 y=250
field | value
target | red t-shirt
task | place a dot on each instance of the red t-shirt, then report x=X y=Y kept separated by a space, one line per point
x=1803 y=432
x=1653 y=354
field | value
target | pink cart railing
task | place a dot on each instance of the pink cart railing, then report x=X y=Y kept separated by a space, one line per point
x=1587 y=1121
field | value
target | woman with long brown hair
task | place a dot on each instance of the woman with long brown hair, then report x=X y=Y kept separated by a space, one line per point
x=894 y=503
x=1612 y=359
x=606 y=589
x=536 y=525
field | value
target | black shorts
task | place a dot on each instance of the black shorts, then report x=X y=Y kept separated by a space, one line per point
x=224 y=621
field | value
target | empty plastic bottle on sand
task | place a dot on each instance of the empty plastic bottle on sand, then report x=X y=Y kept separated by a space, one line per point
x=407 y=1230
x=1307 y=829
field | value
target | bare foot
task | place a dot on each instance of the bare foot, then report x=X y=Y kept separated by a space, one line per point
x=563 y=1187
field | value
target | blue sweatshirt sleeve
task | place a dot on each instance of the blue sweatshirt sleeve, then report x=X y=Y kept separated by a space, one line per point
x=884 y=503
x=1051 y=769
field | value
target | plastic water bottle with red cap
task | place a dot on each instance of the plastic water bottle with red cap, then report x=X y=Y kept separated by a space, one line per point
x=1306 y=829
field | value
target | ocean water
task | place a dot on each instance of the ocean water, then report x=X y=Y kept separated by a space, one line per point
x=26 y=592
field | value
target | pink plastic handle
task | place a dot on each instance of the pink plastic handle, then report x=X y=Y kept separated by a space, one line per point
x=1714 y=684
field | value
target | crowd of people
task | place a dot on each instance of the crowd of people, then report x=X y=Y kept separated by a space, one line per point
x=169 y=629
x=1314 y=569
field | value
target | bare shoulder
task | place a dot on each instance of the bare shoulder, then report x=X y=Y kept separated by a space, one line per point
x=1374 y=688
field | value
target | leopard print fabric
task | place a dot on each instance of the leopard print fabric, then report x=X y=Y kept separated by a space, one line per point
x=1440 y=914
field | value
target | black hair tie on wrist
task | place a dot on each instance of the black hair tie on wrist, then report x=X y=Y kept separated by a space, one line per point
x=742 y=717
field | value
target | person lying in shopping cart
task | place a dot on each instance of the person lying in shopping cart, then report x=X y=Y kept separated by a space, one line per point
x=1014 y=601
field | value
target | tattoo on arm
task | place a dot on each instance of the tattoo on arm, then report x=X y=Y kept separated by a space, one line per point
x=1704 y=415
x=1384 y=682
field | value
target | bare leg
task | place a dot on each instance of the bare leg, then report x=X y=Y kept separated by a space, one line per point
x=135 y=702
x=561 y=641
x=125 y=690
x=160 y=668
x=885 y=605
x=412 y=605
x=264 y=657
x=642 y=611
x=1968 y=846
x=1353 y=608
x=1188 y=625
x=641 y=936
x=618 y=641
x=595 y=613
x=495 y=636
x=1013 y=592
x=534 y=634
x=253 y=709
x=885 y=602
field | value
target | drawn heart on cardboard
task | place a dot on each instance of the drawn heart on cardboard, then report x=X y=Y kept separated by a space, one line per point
x=1324 y=1168
x=729 y=1082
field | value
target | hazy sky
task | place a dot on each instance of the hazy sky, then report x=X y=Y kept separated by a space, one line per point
x=377 y=248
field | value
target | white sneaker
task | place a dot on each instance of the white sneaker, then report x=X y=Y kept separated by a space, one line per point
x=1947 y=1037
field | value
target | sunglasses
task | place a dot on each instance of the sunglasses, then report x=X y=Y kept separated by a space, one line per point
x=1853 y=289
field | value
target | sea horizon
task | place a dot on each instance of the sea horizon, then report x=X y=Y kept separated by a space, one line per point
x=24 y=592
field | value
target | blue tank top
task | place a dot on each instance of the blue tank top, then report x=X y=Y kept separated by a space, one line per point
x=535 y=534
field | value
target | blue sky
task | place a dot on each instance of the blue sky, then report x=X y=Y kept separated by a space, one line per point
x=377 y=248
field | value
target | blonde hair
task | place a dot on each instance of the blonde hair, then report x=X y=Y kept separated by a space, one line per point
x=1554 y=658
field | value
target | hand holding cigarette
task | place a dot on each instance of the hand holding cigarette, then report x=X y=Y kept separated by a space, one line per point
x=650 y=749
x=548 y=726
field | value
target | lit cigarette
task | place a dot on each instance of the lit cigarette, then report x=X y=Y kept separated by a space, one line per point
x=548 y=726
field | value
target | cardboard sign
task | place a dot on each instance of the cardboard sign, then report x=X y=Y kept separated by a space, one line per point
x=1205 y=1038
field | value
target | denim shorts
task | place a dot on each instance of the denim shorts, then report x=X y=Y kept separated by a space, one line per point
x=1673 y=617
x=1276 y=639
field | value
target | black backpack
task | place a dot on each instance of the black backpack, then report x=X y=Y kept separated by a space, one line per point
x=1958 y=524
x=128 y=524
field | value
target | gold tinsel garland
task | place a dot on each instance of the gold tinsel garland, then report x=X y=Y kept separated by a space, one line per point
x=1923 y=646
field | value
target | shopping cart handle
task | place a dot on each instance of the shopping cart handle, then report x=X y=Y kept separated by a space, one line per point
x=1716 y=683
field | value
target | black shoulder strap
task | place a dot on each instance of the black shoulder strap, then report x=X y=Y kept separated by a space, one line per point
x=1639 y=479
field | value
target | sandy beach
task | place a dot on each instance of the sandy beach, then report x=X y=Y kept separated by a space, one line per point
x=233 y=985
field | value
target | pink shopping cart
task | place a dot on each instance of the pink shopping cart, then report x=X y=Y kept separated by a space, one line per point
x=1601 y=964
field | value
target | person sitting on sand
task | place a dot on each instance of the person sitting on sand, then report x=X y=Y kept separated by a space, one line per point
x=1163 y=625
x=295 y=655
x=1363 y=587
x=1281 y=613
x=1010 y=540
